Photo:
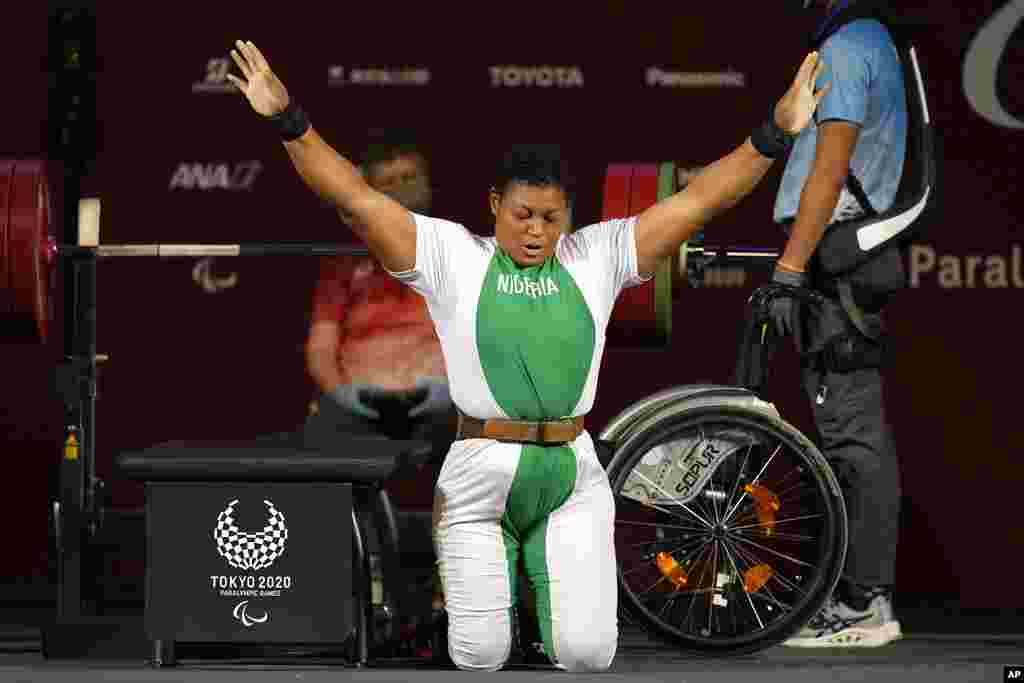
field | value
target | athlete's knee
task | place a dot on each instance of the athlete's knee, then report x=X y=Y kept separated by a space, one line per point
x=486 y=650
x=479 y=659
x=587 y=652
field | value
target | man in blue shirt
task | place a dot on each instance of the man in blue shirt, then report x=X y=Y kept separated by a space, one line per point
x=844 y=165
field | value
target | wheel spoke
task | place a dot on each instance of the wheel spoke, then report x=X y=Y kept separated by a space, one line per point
x=766 y=594
x=749 y=512
x=689 y=611
x=789 y=584
x=783 y=536
x=714 y=585
x=754 y=559
x=650 y=589
x=670 y=601
x=670 y=499
x=770 y=599
x=655 y=544
x=784 y=556
x=736 y=569
x=784 y=520
x=714 y=502
x=739 y=476
x=795 y=469
x=783 y=493
x=791 y=498
x=766 y=590
x=677 y=527
x=728 y=515
x=676 y=515
x=703 y=541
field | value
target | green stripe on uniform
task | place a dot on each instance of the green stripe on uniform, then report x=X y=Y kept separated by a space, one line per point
x=535 y=337
x=545 y=478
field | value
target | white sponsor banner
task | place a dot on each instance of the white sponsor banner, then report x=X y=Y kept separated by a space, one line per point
x=341 y=76
x=216 y=175
x=513 y=76
x=657 y=77
x=215 y=80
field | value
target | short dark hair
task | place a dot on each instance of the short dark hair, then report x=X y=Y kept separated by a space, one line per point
x=385 y=146
x=539 y=165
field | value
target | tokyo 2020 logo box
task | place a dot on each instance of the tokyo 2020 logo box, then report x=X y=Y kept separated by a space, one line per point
x=249 y=562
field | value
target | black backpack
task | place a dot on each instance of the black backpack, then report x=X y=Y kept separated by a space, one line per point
x=864 y=259
x=851 y=244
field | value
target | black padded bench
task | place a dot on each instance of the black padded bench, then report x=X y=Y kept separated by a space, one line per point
x=260 y=542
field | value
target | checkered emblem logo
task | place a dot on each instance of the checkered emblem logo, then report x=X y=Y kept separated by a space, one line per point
x=250 y=551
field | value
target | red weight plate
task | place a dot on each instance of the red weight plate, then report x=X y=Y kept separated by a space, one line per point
x=47 y=259
x=634 y=321
x=644 y=188
x=6 y=170
x=28 y=231
x=636 y=304
x=615 y=202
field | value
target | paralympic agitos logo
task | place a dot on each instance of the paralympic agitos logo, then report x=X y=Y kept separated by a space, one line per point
x=250 y=551
x=981 y=65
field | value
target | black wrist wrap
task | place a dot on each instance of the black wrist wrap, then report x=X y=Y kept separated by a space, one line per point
x=291 y=123
x=770 y=140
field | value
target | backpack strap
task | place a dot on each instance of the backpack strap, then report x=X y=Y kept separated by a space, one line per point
x=857 y=190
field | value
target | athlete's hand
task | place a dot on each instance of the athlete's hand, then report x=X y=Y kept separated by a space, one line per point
x=261 y=87
x=794 y=111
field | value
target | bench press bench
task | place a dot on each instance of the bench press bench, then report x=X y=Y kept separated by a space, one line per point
x=264 y=542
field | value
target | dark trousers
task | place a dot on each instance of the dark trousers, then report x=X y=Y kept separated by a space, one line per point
x=331 y=421
x=849 y=413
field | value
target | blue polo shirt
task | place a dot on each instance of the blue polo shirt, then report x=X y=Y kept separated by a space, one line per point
x=867 y=89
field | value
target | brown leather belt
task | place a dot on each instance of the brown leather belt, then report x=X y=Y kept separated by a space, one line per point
x=520 y=431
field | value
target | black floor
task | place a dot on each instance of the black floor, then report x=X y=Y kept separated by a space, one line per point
x=910 y=660
x=937 y=646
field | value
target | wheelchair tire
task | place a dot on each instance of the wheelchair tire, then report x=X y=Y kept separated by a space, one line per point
x=778 y=541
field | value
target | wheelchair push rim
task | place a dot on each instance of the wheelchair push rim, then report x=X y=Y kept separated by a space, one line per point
x=730 y=531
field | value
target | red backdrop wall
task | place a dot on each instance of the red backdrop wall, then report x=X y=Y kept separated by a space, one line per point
x=183 y=161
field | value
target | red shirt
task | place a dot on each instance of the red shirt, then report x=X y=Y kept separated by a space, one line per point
x=387 y=338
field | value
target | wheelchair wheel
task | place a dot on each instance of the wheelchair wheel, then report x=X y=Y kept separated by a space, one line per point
x=730 y=528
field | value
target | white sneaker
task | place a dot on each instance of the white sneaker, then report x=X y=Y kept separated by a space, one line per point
x=839 y=625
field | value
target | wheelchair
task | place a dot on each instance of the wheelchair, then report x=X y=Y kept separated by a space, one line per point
x=730 y=528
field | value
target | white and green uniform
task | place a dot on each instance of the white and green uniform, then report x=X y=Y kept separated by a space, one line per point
x=524 y=343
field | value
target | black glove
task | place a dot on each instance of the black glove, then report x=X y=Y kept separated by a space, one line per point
x=783 y=309
x=437 y=400
x=350 y=397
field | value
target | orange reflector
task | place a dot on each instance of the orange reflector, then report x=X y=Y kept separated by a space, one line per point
x=671 y=569
x=766 y=505
x=756 y=577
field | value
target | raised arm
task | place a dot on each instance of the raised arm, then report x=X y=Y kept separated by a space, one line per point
x=385 y=225
x=663 y=227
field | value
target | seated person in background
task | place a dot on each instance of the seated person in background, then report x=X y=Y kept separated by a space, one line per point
x=375 y=357
x=372 y=349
